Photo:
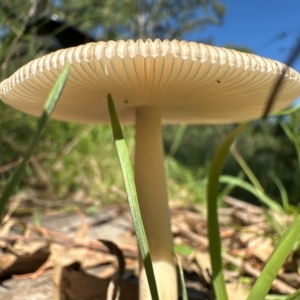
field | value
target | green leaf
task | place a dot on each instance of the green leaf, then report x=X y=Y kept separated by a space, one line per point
x=250 y=188
x=292 y=134
x=286 y=111
x=182 y=281
x=177 y=139
x=282 y=190
x=48 y=109
x=130 y=188
x=243 y=164
x=279 y=255
x=294 y=296
x=183 y=250
x=213 y=224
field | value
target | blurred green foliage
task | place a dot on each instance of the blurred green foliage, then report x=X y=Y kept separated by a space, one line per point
x=264 y=145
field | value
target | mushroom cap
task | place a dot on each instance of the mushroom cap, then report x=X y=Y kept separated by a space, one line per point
x=191 y=82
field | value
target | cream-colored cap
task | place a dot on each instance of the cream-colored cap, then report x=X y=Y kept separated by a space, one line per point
x=191 y=82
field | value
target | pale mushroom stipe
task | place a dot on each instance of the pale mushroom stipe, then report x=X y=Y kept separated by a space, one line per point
x=151 y=83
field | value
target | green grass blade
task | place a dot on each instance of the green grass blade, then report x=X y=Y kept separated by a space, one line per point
x=273 y=222
x=177 y=140
x=287 y=111
x=250 y=188
x=279 y=255
x=283 y=193
x=182 y=281
x=48 y=109
x=130 y=188
x=278 y=297
x=236 y=154
x=295 y=128
x=293 y=135
x=228 y=189
x=213 y=224
x=287 y=131
x=294 y=296
x=183 y=250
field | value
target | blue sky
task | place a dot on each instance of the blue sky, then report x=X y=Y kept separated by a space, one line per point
x=259 y=24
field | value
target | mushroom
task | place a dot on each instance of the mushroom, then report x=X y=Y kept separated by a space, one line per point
x=153 y=82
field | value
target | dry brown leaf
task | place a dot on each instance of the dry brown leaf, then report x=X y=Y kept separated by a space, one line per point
x=241 y=205
x=236 y=291
x=73 y=283
x=203 y=261
x=249 y=219
x=12 y=264
x=261 y=248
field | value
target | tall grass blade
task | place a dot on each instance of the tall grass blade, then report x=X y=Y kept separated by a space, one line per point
x=286 y=111
x=48 y=109
x=130 y=188
x=283 y=192
x=239 y=158
x=292 y=134
x=250 y=188
x=177 y=140
x=292 y=58
x=181 y=277
x=273 y=222
x=279 y=255
x=294 y=296
x=213 y=224
x=295 y=128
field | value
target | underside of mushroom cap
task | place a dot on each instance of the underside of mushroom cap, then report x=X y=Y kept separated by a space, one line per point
x=190 y=82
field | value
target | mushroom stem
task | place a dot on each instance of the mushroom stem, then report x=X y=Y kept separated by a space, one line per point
x=153 y=201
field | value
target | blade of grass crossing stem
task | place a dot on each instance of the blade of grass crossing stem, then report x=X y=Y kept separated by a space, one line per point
x=279 y=255
x=132 y=196
x=48 y=109
x=213 y=224
x=292 y=58
x=182 y=281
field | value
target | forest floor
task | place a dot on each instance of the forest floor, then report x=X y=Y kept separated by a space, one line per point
x=59 y=254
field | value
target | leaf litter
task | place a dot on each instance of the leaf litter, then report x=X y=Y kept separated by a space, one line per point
x=77 y=256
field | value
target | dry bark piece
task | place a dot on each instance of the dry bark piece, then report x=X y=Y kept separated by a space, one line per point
x=35 y=255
